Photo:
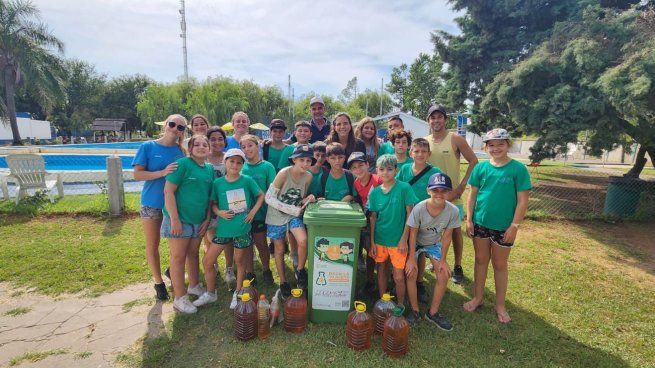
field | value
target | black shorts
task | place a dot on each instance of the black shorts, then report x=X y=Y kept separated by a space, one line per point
x=258 y=226
x=495 y=236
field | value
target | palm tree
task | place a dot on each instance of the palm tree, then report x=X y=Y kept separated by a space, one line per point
x=29 y=56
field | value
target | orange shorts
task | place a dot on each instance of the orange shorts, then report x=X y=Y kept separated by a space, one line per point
x=383 y=253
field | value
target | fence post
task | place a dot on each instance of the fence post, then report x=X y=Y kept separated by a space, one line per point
x=115 y=188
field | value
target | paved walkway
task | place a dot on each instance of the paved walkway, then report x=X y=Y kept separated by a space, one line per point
x=87 y=332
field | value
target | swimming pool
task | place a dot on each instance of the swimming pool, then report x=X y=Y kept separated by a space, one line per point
x=76 y=162
x=115 y=145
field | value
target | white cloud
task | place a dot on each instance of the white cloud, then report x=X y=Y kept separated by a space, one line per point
x=321 y=44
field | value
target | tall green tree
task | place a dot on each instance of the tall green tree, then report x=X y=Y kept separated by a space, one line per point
x=418 y=85
x=29 y=56
x=120 y=97
x=161 y=100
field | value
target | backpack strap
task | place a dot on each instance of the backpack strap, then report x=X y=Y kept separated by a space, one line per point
x=266 y=148
x=350 y=179
x=324 y=177
x=418 y=176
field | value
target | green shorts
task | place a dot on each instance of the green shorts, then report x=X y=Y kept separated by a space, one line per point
x=240 y=242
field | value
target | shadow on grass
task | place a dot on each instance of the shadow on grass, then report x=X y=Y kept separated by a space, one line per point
x=206 y=339
x=8 y=219
x=113 y=225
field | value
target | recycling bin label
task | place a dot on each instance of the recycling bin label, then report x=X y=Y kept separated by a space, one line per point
x=333 y=273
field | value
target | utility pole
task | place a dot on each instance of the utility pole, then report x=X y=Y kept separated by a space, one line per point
x=290 y=101
x=293 y=107
x=183 y=36
x=381 y=92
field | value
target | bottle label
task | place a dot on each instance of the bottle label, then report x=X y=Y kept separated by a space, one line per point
x=333 y=273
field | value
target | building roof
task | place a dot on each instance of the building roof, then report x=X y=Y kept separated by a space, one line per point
x=109 y=125
x=403 y=115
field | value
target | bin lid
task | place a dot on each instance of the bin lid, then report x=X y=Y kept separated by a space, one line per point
x=335 y=213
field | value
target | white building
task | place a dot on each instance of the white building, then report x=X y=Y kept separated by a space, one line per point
x=418 y=127
x=27 y=128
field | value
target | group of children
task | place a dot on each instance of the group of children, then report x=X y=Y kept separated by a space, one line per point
x=265 y=186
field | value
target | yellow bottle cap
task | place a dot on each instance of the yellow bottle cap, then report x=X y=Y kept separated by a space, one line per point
x=245 y=297
x=296 y=292
x=360 y=306
x=246 y=283
x=386 y=297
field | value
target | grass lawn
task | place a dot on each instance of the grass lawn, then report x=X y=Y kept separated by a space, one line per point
x=581 y=294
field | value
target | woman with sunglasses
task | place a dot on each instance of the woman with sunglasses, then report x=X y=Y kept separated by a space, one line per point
x=153 y=161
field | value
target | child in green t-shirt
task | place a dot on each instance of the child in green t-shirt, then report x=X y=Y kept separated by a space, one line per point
x=500 y=189
x=186 y=217
x=263 y=173
x=320 y=154
x=302 y=130
x=272 y=149
x=236 y=199
x=390 y=204
x=401 y=139
x=417 y=175
x=286 y=198
x=336 y=184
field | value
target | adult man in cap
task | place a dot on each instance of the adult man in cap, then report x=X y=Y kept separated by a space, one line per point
x=447 y=149
x=320 y=124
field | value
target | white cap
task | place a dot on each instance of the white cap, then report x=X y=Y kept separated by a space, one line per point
x=234 y=152
x=316 y=99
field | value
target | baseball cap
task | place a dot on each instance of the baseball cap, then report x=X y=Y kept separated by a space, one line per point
x=356 y=156
x=234 y=152
x=440 y=180
x=277 y=124
x=435 y=108
x=316 y=99
x=302 y=150
x=498 y=133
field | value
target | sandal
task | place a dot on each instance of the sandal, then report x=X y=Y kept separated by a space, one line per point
x=470 y=309
x=503 y=317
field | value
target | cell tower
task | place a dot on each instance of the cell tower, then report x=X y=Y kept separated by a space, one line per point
x=183 y=36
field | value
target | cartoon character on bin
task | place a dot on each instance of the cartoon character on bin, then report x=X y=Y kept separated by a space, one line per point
x=346 y=250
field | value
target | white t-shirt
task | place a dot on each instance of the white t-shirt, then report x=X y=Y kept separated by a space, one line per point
x=430 y=229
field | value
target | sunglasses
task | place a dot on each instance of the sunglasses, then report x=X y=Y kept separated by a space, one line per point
x=172 y=124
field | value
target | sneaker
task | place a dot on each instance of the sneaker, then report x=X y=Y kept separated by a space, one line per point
x=252 y=277
x=197 y=290
x=167 y=273
x=413 y=317
x=294 y=259
x=267 y=275
x=458 y=274
x=439 y=320
x=285 y=290
x=421 y=292
x=162 y=293
x=205 y=298
x=183 y=305
x=229 y=276
x=233 y=303
x=301 y=278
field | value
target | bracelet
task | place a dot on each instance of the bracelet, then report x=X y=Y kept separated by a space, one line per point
x=516 y=225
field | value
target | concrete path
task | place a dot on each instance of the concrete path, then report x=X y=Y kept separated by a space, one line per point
x=76 y=331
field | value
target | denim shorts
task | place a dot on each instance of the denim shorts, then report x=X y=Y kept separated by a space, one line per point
x=495 y=236
x=240 y=242
x=432 y=251
x=151 y=213
x=188 y=230
x=276 y=232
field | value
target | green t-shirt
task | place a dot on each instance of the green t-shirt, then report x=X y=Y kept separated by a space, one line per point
x=194 y=184
x=408 y=162
x=315 y=186
x=391 y=208
x=406 y=174
x=263 y=173
x=335 y=189
x=497 y=192
x=274 y=155
x=284 y=156
x=238 y=196
x=386 y=149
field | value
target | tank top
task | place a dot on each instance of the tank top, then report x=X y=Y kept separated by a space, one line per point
x=445 y=158
x=292 y=193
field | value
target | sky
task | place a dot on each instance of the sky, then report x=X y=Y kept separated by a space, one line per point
x=321 y=44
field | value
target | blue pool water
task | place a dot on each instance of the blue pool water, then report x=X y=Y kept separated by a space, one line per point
x=77 y=162
x=117 y=145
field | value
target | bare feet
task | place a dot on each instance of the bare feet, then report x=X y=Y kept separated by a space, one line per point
x=472 y=305
x=502 y=315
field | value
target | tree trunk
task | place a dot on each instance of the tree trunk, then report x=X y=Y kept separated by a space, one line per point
x=10 y=79
x=640 y=161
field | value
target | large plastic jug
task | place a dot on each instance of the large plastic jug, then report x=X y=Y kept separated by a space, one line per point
x=245 y=318
x=295 y=312
x=275 y=309
x=249 y=288
x=381 y=311
x=263 y=316
x=359 y=328
x=395 y=338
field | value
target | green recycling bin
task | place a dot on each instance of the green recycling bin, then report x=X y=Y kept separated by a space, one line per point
x=332 y=248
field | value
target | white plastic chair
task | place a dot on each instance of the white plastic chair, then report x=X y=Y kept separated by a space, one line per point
x=28 y=171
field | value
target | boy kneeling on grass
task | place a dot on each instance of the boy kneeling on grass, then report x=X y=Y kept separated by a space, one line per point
x=390 y=205
x=431 y=225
